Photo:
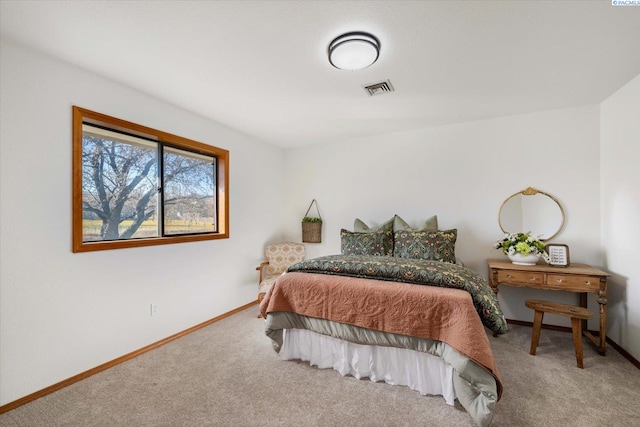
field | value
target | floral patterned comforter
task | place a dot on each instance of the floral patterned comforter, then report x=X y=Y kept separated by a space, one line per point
x=415 y=271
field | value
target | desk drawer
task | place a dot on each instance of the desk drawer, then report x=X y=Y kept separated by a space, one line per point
x=570 y=282
x=524 y=277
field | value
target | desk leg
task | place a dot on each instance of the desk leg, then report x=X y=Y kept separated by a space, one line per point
x=602 y=301
x=600 y=341
x=585 y=328
x=583 y=303
x=493 y=284
x=493 y=281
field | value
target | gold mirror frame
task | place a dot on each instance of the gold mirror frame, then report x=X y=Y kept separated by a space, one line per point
x=531 y=192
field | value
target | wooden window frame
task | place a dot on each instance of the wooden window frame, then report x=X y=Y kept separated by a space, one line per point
x=80 y=116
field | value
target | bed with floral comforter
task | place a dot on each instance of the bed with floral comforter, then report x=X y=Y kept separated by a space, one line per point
x=428 y=306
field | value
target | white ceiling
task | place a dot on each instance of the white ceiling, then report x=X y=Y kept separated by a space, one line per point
x=260 y=66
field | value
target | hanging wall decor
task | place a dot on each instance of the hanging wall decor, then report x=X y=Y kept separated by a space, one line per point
x=312 y=226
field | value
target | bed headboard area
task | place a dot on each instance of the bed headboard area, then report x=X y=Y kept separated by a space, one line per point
x=397 y=238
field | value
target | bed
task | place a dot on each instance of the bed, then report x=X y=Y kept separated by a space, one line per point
x=415 y=305
x=374 y=312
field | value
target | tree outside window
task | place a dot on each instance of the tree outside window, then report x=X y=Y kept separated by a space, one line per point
x=134 y=186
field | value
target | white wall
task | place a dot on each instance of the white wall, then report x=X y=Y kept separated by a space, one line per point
x=63 y=313
x=462 y=173
x=620 y=206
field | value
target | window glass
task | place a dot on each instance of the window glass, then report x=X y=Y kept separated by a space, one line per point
x=119 y=186
x=138 y=186
x=189 y=195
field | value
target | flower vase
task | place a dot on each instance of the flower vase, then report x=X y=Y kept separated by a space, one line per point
x=520 y=259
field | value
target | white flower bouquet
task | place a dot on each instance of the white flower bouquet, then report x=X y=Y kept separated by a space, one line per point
x=523 y=244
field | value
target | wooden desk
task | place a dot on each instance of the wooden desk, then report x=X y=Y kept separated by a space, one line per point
x=579 y=278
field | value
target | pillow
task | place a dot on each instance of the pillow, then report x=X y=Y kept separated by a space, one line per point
x=377 y=243
x=431 y=224
x=360 y=227
x=434 y=246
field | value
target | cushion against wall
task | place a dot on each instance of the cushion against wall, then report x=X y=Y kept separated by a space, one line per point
x=434 y=246
x=283 y=255
x=431 y=224
x=378 y=243
x=360 y=227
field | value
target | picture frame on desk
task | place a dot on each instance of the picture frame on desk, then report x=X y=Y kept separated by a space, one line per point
x=558 y=255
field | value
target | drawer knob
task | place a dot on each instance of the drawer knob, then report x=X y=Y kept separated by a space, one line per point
x=588 y=282
x=559 y=280
x=533 y=278
x=508 y=276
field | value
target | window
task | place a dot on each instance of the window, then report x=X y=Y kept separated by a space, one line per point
x=137 y=186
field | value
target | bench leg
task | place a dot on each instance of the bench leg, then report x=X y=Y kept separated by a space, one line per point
x=576 y=327
x=535 y=337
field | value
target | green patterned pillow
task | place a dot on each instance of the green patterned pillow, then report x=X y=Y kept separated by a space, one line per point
x=434 y=246
x=431 y=224
x=378 y=243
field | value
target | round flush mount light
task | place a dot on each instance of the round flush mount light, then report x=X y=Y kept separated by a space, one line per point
x=354 y=51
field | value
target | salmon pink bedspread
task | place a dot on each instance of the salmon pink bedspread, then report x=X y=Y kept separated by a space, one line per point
x=442 y=314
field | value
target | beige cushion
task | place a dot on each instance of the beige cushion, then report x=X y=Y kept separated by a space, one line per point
x=267 y=283
x=280 y=256
x=283 y=255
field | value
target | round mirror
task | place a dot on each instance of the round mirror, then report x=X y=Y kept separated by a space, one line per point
x=532 y=211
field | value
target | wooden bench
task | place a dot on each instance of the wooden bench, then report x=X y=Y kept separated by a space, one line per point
x=577 y=314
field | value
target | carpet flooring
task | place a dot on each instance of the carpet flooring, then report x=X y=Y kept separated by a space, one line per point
x=227 y=374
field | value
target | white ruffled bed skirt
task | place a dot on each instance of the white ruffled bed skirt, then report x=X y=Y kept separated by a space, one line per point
x=419 y=371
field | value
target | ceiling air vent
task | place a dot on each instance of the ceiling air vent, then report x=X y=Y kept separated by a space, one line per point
x=378 y=88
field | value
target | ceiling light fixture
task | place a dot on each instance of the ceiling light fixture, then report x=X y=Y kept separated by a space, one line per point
x=354 y=51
